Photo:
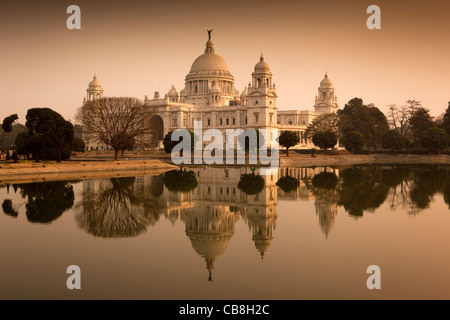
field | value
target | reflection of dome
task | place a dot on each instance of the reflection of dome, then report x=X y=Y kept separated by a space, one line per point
x=326 y=82
x=210 y=233
x=95 y=84
x=262 y=245
x=209 y=61
x=262 y=66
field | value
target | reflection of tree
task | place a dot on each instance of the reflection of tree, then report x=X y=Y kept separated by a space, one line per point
x=179 y=180
x=8 y=209
x=325 y=180
x=361 y=189
x=47 y=200
x=113 y=213
x=251 y=184
x=426 y=184
x=157 y=186
x=323 y=186
x=288 y=184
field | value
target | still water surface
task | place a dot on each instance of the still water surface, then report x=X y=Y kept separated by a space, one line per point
x=229 y=233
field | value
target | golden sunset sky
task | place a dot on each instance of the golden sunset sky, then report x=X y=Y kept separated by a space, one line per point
x=138 y=47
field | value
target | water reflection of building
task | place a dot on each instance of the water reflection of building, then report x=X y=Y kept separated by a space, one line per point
x=211 y=209
x=325 y=205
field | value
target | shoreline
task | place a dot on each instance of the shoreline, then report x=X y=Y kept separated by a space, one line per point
x=76 y=170
x=155 y=165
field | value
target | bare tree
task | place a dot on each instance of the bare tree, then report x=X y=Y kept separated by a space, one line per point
x=399 y=116
x=114 y=121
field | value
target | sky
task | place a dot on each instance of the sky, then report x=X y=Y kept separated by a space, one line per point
x=138 y=47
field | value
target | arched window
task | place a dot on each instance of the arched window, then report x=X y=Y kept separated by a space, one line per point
x=267 y=82
x=258 y=82
x=332 y=95
x=196 y=88
x=324 y=95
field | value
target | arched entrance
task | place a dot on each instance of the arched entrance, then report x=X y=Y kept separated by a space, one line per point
x=157 y=125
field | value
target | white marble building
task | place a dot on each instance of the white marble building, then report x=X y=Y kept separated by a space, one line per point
x=210 y=96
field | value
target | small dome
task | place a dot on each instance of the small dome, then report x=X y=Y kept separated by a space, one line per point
x=262 y=66
x=95 y=83
x=326 y=82
x=173 y=92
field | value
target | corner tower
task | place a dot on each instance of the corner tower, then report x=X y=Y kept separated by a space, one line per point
x=326 y=99
x=261 y=97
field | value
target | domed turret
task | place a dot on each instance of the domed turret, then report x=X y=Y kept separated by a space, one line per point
x=326 y=82
x=95 y=90
x=262 y=66
x=326 y=100
x=95 y=84
x=173 y=94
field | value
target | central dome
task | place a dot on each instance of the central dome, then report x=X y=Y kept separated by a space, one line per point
x=209 y=61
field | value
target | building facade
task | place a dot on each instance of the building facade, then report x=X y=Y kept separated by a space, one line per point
x=210 y=96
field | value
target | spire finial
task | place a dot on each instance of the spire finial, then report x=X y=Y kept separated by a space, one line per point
x=95 y=75
x=262 y=57
x=209 y=34
x=326 y=74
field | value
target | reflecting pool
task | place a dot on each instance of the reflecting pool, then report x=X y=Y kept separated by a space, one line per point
x=230 y=233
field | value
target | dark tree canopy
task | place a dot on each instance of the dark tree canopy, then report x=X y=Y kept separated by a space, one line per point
x=180 y=180
x=325 y=139
x=78 y=145
x=420 y=121
x=49 y=136
x=288 y=139
x=251 y=184
x=8 y=208
x=288 y=184
x=368 y=120
x=434 y=138
x=7 y=124
x=446 y=122
x=353 y=141
x=393 y=140
x=47 y=201
x=325 y=180
x=169 y=144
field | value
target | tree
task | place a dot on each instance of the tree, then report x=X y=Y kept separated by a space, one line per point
x=368 y=120
x=114 y=121
x=434 y=138
x=446 y=123
x=324 y=122
x=288 y=184
x=129 y=145
x=8 y=208
x=393 y=140
x=179 y=180
x=325 y=139
x=251 y=184
x=419 y=122
x=288 y=139
x=8 y=122
x=399 y=117
x=78 y=145
x=169 y=144
x=353 y=141
x=49 y=136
